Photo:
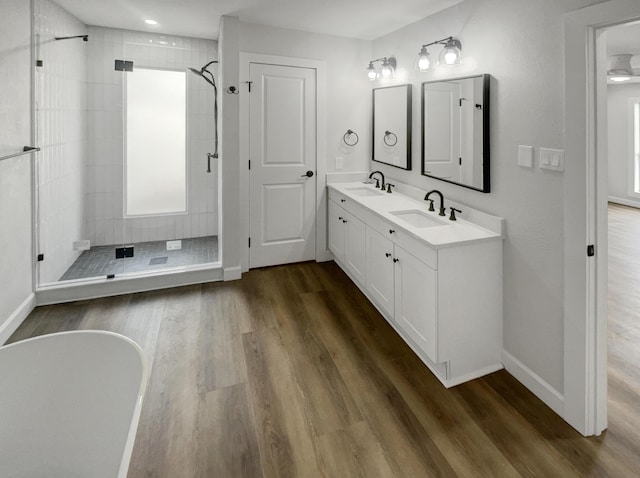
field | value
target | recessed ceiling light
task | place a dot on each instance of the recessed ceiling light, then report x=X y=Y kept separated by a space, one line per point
x=151 y=22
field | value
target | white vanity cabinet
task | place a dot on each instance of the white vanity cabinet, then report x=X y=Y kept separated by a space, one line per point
x=347 y=240
x=445 y=301
x=416 y=301
x=404 y=288
x=380 y=270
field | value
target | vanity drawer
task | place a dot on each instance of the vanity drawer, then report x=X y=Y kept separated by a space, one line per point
x=425 y=253
x=418 y=248
x=337 y=197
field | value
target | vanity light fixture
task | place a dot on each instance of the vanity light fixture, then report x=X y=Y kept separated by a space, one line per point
x=386 y=70
x=450 y=54
x=620 y=68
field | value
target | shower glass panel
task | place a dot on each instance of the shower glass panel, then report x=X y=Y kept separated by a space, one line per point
x=126 y=183
x=170 y=205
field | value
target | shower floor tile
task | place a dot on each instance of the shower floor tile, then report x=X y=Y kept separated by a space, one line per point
x=148 y=256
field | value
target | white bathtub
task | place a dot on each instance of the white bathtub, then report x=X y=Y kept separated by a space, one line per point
x=70 y=404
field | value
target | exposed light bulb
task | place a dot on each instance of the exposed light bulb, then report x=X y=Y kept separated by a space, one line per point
x=371 y=71
x=450 y=58
x=386 y=70
x=151 y=22
x=450 y=54
x=423 y=59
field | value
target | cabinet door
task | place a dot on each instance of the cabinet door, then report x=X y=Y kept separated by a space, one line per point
x=416 y=301
x=354 y=247
x=336 y=231
x=380 y=270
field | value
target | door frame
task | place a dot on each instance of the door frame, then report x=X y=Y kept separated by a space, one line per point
x=585 y=212
x=320 y=66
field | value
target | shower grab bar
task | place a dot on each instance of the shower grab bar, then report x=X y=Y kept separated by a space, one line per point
x=25 y=150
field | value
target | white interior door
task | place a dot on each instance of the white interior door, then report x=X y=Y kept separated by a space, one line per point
x=282 y=148
x=442 y=130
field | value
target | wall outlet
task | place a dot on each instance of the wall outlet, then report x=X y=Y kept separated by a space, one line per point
x=339 y=162
x=552 y=159
x=525 y=156
x=174 y=245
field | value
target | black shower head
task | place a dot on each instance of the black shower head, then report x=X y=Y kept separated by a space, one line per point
x=201 y=72
x=84 y=37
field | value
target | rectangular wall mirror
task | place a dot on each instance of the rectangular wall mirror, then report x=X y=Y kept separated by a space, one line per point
x=392 y=126
x=455 y=131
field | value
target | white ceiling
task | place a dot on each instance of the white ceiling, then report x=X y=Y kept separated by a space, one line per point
x=365 y=19
x=626 y=39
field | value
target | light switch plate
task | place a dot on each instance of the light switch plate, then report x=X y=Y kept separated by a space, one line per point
x=552 y=159
x=339 y=162
x=525 y=156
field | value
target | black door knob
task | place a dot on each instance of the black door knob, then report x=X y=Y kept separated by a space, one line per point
x=308 y=174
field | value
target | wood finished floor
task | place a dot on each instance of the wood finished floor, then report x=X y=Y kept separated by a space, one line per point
x=291 y=372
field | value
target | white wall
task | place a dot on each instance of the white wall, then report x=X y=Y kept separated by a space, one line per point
x=519 y=43
x=104 y=198
x=15 y=174
x=62 y=137
x=619 y=141
x=230 y=161
x=349 y=100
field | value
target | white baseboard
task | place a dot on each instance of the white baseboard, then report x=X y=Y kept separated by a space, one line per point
x=473 y=375
x=13 y=322
x=534 y=383
x=625 y=201
x=324 y=256
x=233 y=273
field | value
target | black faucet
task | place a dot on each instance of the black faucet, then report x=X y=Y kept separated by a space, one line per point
x=381 y=175
x=442 y=208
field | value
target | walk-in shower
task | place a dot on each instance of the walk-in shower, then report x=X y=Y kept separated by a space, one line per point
x=119 y=183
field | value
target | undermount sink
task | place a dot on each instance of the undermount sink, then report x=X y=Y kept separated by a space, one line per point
x=418 y=218
x=363 y=191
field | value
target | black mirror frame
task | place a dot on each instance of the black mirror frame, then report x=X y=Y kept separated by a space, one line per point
x=486 y=160
x=408 y=127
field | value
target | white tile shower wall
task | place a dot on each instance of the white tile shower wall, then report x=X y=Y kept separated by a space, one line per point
x=104 y=196
x=62 y=137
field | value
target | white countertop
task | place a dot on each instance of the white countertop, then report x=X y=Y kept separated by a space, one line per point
x=450 y=233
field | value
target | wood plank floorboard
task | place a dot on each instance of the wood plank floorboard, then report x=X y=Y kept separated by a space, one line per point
x=291 y=372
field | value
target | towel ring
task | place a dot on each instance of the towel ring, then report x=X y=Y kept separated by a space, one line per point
x=349 y=133
x=395 y=138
